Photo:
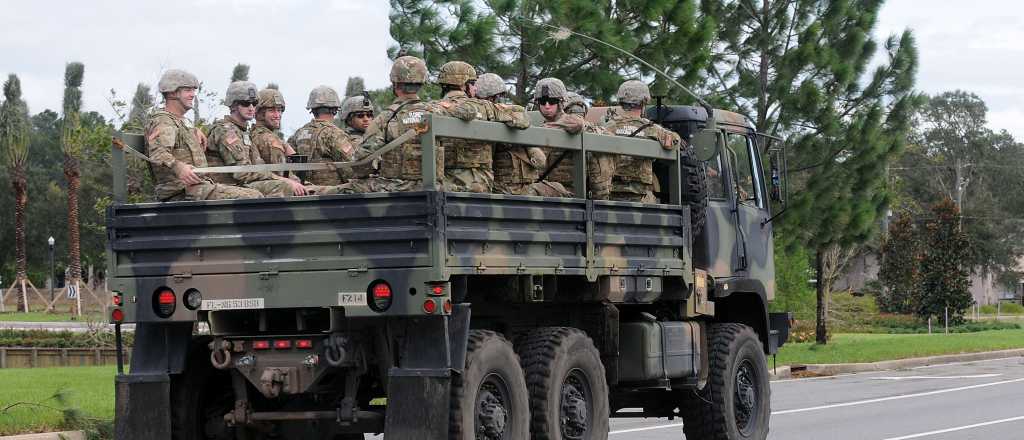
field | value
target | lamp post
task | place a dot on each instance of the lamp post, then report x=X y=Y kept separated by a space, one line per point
x=49 y=241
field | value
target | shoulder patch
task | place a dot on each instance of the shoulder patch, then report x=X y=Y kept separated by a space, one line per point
x=231 y=138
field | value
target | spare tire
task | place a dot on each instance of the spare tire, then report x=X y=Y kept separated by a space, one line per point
x=694 y=189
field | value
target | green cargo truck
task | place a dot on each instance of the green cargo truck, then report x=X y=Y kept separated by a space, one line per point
x=432 y=314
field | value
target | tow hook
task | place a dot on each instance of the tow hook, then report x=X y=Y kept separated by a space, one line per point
x=334 y=350
x=220 y=357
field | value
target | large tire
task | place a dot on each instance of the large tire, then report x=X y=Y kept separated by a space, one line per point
x=566 y=379
x=200 y=397
x=694 y=191
x=735 y=403
x=489 y=399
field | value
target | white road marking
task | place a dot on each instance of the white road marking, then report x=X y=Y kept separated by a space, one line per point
x=867 y=373
x=958 y=428
x=897 y=397
x=646 y=428
x=976 y=376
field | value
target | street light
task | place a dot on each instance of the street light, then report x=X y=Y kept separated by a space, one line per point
x=49 y=241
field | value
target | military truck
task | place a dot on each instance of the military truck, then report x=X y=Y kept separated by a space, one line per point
x=434 y=314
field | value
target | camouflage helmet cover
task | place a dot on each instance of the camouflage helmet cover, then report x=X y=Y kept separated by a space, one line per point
x=490 y=84
x=633 y=92
x=550 y=88
x=409 y=69
x=240 y=91
x=456 y=73
x=574 y=104
x=268 y=98
x=352 y=104
x=323 y=96
x=174 y=79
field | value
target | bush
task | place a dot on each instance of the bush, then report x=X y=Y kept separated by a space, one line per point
x=62 y=339
x=793 y=292
x=803 y=331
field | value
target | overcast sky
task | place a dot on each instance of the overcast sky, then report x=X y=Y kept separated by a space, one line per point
x=975 y=45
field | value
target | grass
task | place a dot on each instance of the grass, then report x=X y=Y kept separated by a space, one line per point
x=47 y=317
x=846 y=348
x=88 y=389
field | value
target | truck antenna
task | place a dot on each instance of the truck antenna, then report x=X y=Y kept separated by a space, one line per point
x=559 y=33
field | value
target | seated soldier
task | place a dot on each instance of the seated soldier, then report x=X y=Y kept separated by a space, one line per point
x=175 y=148
x=231 y=145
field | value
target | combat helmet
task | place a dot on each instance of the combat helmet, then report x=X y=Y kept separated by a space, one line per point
x=409 y=70
x=352 y=104
x=490 y=84
x=456 y=73
x=323 y=96
x=574 y=104
x=633 y=92
x=240 y=91
x=269 y=98
x=550 y=88
x=174 y=79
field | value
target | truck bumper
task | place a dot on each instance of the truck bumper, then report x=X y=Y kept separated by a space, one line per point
x=142 y=407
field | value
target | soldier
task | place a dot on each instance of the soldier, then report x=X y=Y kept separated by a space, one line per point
x=517 y=168
x=575 y=105
x=231 y=145
x=468 y=165
x=321 y=140
x=175 y=147
x=549 y=95
x=356 y=114
x=400 y=168
x=265 y=134
x=634 y=179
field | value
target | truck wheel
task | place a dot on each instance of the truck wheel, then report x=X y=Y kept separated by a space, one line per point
x=734 y=405
x=200 y=397
x=568 y=389
x=489 y=400
x=694 y=191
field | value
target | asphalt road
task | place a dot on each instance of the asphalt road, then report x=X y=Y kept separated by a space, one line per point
x=976 y=400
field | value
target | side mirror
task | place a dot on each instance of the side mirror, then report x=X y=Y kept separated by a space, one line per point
x=778 y=187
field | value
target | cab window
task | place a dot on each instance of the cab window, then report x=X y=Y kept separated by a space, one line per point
x=745 y=182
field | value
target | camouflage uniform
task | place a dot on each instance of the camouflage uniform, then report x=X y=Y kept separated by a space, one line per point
x=351 y=105
x=267 y=141
x=231 y=145
x=600 y=166
x=400 y=168
x=322 y=141
x=634 y=179
x=171 y=139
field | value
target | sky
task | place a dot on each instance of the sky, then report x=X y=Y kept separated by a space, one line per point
x=976 y=46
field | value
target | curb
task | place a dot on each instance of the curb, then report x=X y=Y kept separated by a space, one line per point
x=779 y=373
x=66 y=435
x=834 y=369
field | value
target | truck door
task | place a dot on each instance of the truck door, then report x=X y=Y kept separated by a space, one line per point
x=754 y=233
x=715 y=249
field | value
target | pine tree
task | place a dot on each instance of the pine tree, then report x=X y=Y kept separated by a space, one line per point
x=799 y=69
x=521 y=39
x=14 y=139
x=71 y=143
x=354 y=86
x=240 y=72
x=944 y=269
x=900 y=266
x=138 y=112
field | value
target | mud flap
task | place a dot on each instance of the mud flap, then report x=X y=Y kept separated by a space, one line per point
x=142 y=407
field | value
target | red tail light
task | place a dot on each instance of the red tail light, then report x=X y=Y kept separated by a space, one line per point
x=282 y=344
x=437 y=290
x=116 y=299
x=304 y=343
x=380 y=295
x=448 y=306
x=117 y=315
x=260 y=345
x=164 y=302
x=165 y=297
x=429 y=306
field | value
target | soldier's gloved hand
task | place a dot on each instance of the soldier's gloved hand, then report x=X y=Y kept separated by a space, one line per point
x=537 y=157
x=186 y=174
x=668 y=141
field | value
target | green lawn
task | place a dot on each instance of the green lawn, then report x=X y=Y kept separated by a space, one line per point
x=90 y=389
x=46 y=317
x=846 y=348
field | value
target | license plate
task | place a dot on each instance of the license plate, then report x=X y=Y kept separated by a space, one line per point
x=351 y=298
x=232 y=304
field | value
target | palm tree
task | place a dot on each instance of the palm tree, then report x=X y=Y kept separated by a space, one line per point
x=71 y=142
x=14 y=129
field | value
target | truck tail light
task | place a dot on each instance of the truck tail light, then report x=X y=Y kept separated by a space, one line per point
x=260 y=345
x=116 y=299
x=429 y=306
x=380 y=295
x=304 y=343
x=164 y=302
x=117 y=315
x=282 y=344
x=437 y=289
